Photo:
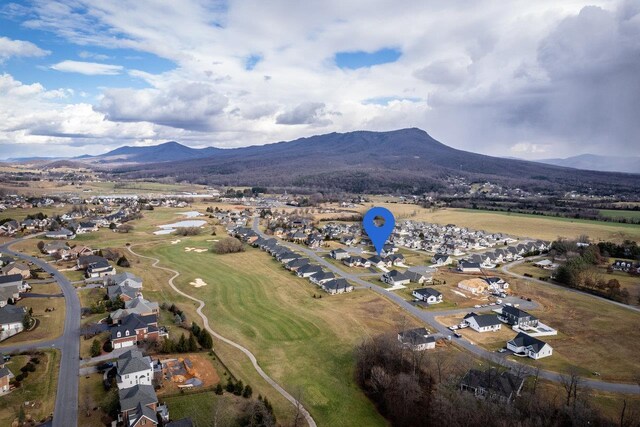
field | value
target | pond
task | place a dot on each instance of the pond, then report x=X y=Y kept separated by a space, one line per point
x=170 y=228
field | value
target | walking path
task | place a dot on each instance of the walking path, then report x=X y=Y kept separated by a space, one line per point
x=250 y=355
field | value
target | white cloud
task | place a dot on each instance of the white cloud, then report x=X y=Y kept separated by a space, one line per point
x=482 y=76
x=87 y=68
x=11 y=48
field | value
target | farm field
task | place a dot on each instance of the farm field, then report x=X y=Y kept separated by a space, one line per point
x=39 y=387
x=535 y=226
x=613 y=213
x=303 y=342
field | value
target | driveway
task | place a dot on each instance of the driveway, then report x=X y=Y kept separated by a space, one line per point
x=429 y=318
x=66 y=407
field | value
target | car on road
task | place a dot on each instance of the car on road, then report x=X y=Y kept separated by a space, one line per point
x=453 y=328
x=457 y=335
x=477 y=306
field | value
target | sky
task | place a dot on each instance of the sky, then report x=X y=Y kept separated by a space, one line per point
x=528 y=79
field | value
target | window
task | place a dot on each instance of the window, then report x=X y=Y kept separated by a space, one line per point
x=119 y=334
x=127 y=333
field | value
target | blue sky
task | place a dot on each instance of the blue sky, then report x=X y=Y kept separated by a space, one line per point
x=528 y=79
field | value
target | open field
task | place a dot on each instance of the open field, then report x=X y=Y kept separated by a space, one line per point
x=39 y=387
x=535 y=226
x=50 y=324
x=613 y=213
x=302 y=342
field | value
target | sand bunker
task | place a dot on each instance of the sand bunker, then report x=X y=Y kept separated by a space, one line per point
x=198 y=283
x=199 y=250
x=175 y=242
x=213 y=240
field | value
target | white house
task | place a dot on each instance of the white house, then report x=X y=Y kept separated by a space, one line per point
x=428 y=295
x=133 y=369
x=417 y=339
x=483 y=322
x=532 y=347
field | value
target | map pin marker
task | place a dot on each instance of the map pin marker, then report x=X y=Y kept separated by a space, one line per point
x=378 y=234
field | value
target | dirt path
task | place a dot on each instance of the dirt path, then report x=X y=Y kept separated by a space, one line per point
x=250 y=355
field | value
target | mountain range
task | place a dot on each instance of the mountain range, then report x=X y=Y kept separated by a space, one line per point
x=361 y=161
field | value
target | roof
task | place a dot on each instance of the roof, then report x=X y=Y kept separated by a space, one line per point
x=503 y=384
x=4 y=372
x=484 y=320
x=524 y=340
x=132 y=361
x=464 y=264
x=90 y=259
x=11 y=279
x=516 y=312
x=337 y=284
x=139 y=394
x=428 y=291
x=11 y=314
x=184 y=422
x=416 y=336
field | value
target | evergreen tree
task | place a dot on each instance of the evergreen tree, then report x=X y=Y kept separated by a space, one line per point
x=192 y=344
x=247 y=392
x=181 y=347
x=95 y=348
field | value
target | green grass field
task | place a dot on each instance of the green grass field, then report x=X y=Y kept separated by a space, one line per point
x=613 y=213
x=304 y=343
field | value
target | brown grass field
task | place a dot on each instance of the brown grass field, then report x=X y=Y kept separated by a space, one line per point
x=50 y=324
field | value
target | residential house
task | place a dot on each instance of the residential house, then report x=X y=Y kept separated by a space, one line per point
x=322 y=277
x=10 y=288
x=469 y=267
x=483 y=322
x=11 y=317
x=62 y=234
x=428 y=295
x=137 y=305
x=308 y=270
x=417 y=339
x=17 y=268
x=516 y=317
x=395 y=278
x=9 y=228
x=441 y=259
x=138 y=406
x=52 y=248
x=100 y=268
x=134 y=328
x=76 y=252
x=86 y=227
x=337 y=286
x=493 y=385
x=124 y=279
x=5 y=377
x=133 y=368
x=124 y=292
x=531 y=346
x=496 y=284
x=86 y=260
x=546 y=264
x=356 y=261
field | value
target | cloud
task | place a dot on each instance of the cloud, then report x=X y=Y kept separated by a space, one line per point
x=92 y=55
x=12 y=48
x=184 y=105
x=307 y=113
x=88 y=68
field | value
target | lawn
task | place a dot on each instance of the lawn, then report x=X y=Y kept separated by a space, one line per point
x=304 y=343
x=50 y=324
x=39 y=387
x=535 y=226
x=591 y=332
x=91 y=395
x=204 y=407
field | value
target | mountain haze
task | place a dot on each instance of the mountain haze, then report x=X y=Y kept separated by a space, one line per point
x=364 y=161
x=598 y=163
x=169 y=151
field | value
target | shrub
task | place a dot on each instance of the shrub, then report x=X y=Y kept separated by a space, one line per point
x=228 y=245
x=187 y=231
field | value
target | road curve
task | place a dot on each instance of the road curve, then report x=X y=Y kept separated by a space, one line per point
x=429 y=318
x=250 y=355
x=66 y=408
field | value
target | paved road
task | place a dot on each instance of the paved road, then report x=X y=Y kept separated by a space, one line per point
x=507 y=270
x=429 y=318
x=310 y=421
x=66 y=407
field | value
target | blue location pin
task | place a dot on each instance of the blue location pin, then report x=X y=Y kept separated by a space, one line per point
x=378 y=235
